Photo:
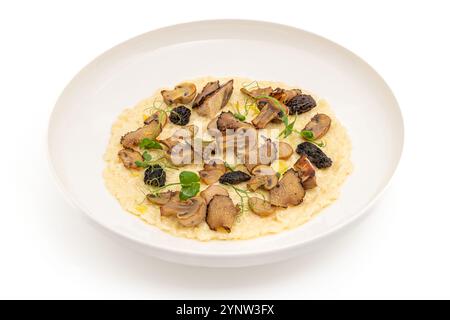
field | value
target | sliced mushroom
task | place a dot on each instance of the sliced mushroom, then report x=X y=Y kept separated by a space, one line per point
x=214 y=190
x=160 y=116
x=150 y=131
x=284 y=95
x=209 y=88
x=267 y=114
x=182 y=93
x=212 y=172
x=162 y=198
x=285 y=150
x=268 y=152
x=189 y=213
x=261 y=207
x=263 y=176
x=318 y=125
x=257 y=92
x=227 y=121
x=180 y=136
x=195 y=215
x=288 y=192
x=129 y=158
x=306 y=171
x=213 y=102
x=221 y=213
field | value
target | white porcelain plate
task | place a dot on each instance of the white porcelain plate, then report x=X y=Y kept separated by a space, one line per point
x=81 y=121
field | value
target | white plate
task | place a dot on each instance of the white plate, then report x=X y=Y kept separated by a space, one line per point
x=81 y=121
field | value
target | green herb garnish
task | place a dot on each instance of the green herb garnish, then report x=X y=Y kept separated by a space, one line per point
x=309 y=136
x=190 y=184
x=147 y=159
x=147 y=143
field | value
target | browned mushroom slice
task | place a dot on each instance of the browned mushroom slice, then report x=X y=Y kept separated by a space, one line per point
x=209 y=193
x=209 y=88
x=285 y=150
x=189 y=213
x=270 y=110
x=221 y=213
x=306 y=171
x=318 y=125
x=257 y=92
x=212 y=172
x=162 y=198
x=195 y=215
x=150 y=131
x=216 y=100
x=160 y=116
x=284 y=95
x=129 y=158
x=180 y=136
x=182 y=93
x=288 y=192
x=226 y=120
x=263 y=176
x=261 y=207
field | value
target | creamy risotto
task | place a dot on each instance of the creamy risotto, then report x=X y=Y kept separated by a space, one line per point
x=127 y=184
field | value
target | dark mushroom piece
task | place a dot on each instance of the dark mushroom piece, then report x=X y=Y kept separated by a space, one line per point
x=306 y=172
x=300 y=104
x=212 y=103
x=319 y=125
x=288 y=192
x=314 y=154
x=261 y=207
x=129 y=158
x=182 y=93
x=234 y=177
x=221 y=213
x=209 y=193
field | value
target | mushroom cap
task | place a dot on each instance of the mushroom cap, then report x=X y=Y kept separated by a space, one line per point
x=284 y=95
x=129 y=158
x=182 y=93
x=288 y=192
x=261 y=207
x=221 y=213
x=319 y=125
x=160 y=116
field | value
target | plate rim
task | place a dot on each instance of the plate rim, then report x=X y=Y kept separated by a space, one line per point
x=186 y=252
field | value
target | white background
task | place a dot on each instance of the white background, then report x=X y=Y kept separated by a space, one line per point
x=49 y=250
